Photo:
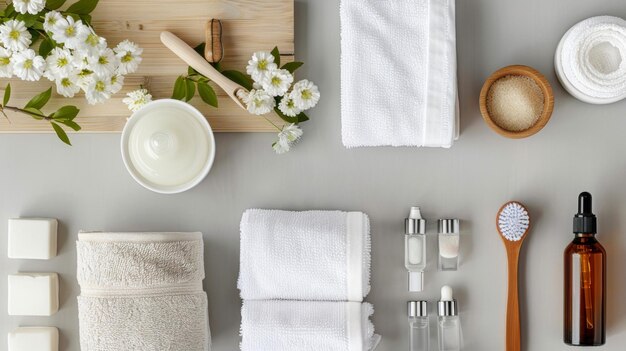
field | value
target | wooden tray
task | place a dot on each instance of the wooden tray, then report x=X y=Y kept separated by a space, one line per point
x=248 y=26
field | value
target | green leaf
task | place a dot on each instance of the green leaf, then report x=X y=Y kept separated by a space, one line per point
x=207 y=93
x=65 y=113
x=83 y=7
x=46 y=47
x=34 y=112
x=54 y=4
x=191 y=71
x=239 y=78
x=72 y=125
x=191 y=89
x=7 y=95
x=217 y=66
x=180 y=89
x=86 y=19
x=40 y=100
x=35 y=35
x=61 y=133
x=28 y=19
x=276 y=55
x=302 y=117
x=38 y=25
x=292 y=66
x=9 y=11
x=200 y=49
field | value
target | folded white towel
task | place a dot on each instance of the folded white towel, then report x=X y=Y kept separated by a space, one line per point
x=591 y=60
x=142 y=291
x=314 y=255
x=398 y=73
x=307 y=326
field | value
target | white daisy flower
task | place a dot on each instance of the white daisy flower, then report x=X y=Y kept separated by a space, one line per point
x=129 y=56
x=117 y=82
x=305 y=94
x=262 y=63
x=59 y=64
x=281 y=146
x=289 y=135
x=15 y=35
x=71 y=33
x=81 y=59
x=103 y=62
x=277 y=82
x=93 y=43
x=288 y=107
x=29 y=6
x=84 y=78
x=258 y=102
x=67 y=86
x=6 y=66
x=51 y=19
x=28 y=66
x=137 y=99
x=98 y=90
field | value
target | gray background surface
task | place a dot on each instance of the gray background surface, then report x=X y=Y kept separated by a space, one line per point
x=582 y=148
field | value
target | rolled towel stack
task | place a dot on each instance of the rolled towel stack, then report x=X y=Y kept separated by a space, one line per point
x=142 y=291
x=590 y=60
x=302 y=275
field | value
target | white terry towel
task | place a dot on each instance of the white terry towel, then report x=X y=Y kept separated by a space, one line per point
x=142 y=291
x=307 y=326
x=398 y=73
x=313 y=255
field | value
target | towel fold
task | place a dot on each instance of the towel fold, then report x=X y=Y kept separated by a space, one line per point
x=314 y=255
x=307 y=326
x=398 y=73
x=142 y=291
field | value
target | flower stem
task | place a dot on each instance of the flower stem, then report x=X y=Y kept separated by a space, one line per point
x=17 y=109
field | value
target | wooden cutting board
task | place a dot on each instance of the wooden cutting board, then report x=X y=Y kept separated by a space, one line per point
x=248 y=26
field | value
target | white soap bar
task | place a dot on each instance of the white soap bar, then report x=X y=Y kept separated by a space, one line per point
x=34 y=339
x=32 y=238
x=33 y=294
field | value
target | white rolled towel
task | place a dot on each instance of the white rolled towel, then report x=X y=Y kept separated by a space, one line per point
x=307 y=326
x=313 y=255
x=142 y=291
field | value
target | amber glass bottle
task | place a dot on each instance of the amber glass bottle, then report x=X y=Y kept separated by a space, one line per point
x=585 y=281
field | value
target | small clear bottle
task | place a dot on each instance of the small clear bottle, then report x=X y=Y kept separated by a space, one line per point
x=419 y=330
x=449 y=242
x=415 y=249
x=448 y=325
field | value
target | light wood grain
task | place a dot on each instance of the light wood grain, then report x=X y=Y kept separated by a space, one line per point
x=519 y=70
x=248 y=26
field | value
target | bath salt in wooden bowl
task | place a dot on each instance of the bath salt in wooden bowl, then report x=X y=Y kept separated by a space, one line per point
x=516 y=101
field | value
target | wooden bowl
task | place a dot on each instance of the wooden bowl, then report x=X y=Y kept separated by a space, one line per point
x=519 y=70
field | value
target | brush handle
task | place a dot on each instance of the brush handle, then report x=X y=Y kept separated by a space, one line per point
x=193 y=59
x=513 y=333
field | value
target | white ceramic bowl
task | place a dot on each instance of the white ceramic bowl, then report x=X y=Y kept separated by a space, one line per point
x=158 y=140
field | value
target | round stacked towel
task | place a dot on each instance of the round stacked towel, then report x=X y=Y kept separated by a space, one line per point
x=591 y=60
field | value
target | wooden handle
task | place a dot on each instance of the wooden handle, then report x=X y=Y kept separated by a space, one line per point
x=214 y=50
x=193 y=59
x=513 y=333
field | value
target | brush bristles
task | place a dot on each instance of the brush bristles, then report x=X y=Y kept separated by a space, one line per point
x=513 y=221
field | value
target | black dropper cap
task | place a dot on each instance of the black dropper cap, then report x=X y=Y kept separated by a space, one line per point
x=585 y=221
